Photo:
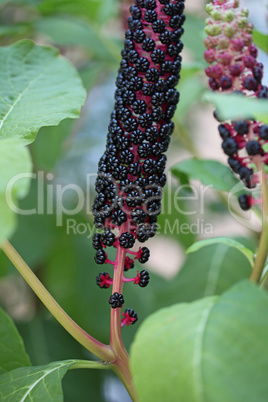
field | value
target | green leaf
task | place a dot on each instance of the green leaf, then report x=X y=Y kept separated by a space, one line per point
x=173 y=217
x=193 y=31
x=8 y=221
x=191 y=90
x=260 y=40
x=38 y=88
x=70 y=31
x=223 y=240
x=209 y=271
x=209 y=172
x=89 y=9
x=15 y=167
x=15 y=29
x=41 y=383
x=22 y=2
x=214 y=349
x=234 y=107
x=47 y=341
x=12 y=352
x=47 y=157
x=14 y=159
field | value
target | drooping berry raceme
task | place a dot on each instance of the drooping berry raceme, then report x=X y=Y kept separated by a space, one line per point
x=233 y=68
x=131 y=171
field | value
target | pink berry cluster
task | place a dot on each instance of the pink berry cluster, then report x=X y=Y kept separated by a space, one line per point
x=233 y=68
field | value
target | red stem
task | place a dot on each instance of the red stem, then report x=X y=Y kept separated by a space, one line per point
x=121 y=362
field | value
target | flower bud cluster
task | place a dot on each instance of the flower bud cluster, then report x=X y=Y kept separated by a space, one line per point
x=233 y=68
x=131 y=171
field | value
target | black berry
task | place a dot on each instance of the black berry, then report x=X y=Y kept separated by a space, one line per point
x=144 y=257
x=116 y=300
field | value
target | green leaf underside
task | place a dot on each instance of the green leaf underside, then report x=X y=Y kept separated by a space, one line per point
x=12 y=352
x=260 y=40
x=209 y=172
x=42 y=383
x=209 y=348
x=237 y=107
x=222 y=240
x=38 y=88
x=15 y=166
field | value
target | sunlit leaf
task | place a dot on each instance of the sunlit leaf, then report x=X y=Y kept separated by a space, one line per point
x=38 y=88
x=214 y=349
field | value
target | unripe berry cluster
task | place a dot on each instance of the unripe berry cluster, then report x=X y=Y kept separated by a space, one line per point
x=131 y=171
x=234 y=68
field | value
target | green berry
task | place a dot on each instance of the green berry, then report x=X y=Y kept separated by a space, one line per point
x=229 y=16
x=213 y=30
x=229 y=31
x=216 y=15
x=209 y=8
x=244 y=13
x=242 y=22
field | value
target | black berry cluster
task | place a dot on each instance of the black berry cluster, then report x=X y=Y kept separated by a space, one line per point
x=131 y=171
x=240 y=137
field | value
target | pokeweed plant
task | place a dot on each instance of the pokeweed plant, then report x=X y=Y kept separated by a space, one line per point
x=212 y=349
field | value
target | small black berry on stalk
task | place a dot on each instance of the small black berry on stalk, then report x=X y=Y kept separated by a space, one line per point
x=138 y=216
x=234 y=164
x=224 y=132
x=96 y=241
x=142 y=279
x=100 y=256
x=104 y=280
x=130 y=317
x=254 y=148
x=241 y=127
x=263 y=132
x=245 y=202
x=116 y=300
x=263 y=92
x=246 y=175
x=127 y=240
x=144 y=255
x=251 y=83
x=230 y=146
x=108 y=238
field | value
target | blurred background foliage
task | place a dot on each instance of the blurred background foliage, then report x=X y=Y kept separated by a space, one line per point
x=90 y=34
